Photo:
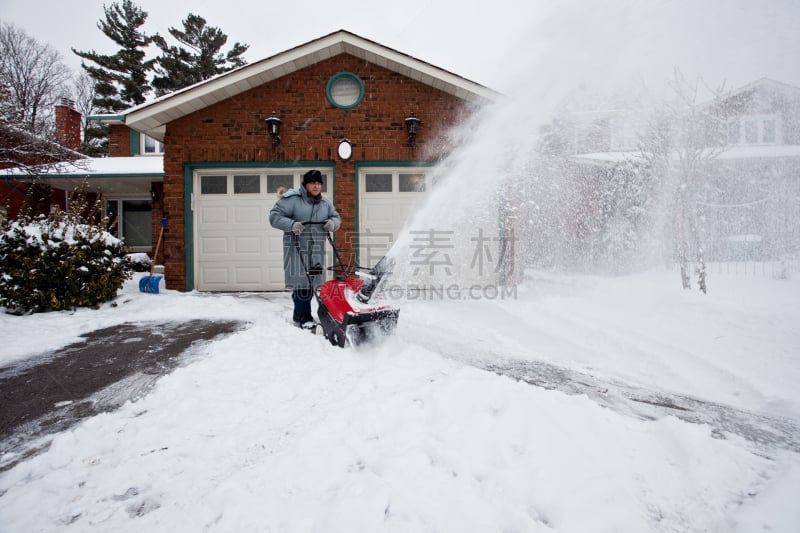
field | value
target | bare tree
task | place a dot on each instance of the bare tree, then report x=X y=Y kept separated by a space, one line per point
x=680 y=144
x=94 y=138
x=34 y=77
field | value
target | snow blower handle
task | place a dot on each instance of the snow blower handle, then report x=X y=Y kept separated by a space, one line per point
x=329 y=236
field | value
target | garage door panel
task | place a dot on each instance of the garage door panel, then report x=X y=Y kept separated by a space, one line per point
x=214 y=214
x=252 y=214
x=248 y=246
x=381 y=212
x=215 y=275
x=248 y=275
x=214 y=245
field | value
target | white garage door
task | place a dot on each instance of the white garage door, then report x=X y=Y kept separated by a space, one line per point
x=386 y=199
x=235 y=247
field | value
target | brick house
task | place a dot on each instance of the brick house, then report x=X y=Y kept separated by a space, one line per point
x=342 y=102
x=205 y=157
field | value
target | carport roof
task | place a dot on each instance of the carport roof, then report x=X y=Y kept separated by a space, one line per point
x=151 y=118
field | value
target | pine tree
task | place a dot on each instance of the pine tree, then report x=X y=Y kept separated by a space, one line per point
x=199 y=58
x=121 y=78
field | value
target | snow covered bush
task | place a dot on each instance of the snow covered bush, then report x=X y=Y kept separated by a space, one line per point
x=60 y=261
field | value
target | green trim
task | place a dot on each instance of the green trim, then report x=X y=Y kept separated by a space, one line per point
x=135 y=137
x=89 y=176
x=107 y=118
x=373 y=164
x=188 y=188
x=188 y=225
x=337 y=77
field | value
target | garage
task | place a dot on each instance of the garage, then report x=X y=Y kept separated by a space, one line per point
x=235 y=247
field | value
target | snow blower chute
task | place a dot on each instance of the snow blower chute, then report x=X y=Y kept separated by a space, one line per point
x=346 y=315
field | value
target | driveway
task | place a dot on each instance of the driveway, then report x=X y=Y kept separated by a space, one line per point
x=50 y=392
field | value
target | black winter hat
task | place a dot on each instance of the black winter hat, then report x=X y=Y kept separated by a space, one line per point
x=312 y=176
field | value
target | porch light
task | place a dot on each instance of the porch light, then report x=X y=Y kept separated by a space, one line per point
x=412 y=122
x=274 y=128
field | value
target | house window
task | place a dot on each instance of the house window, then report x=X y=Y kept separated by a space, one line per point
x=768 y=131
x=151 y=146
x=755 y=129
x=733 y=132
x=750 y=131
x=345 y=90
x=623 y=133
x=131 y=220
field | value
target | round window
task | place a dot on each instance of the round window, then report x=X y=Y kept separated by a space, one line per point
x=345 y=90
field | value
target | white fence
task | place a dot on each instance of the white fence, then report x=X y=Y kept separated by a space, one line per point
x=774 y=269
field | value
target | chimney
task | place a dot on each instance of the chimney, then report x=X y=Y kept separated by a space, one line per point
x=68 y=124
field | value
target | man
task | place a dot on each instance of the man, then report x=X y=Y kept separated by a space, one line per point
x=293 y=214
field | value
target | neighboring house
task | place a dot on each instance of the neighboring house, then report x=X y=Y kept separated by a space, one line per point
x=124 y=183
x=751 y=203
x=342 y=105
x=23 y=150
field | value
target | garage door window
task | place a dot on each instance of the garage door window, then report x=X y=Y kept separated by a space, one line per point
x=246 y=184
x=412 y=182
x=276 y=181
x=378 y=182
x=213 y=184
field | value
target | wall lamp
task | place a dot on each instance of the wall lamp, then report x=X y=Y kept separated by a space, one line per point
x=274 y=128
x=412 y=123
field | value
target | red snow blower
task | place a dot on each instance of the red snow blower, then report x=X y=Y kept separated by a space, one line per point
x=346 y=316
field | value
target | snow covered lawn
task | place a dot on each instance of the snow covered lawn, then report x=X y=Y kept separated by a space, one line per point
x=272 y=429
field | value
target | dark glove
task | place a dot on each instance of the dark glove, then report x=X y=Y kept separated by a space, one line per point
x=297 y=228
x=329 y=226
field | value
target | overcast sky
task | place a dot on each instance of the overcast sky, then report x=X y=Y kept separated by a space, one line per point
x=498 y=43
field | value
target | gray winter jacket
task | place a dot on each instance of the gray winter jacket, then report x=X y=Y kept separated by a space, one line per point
x=296 y=206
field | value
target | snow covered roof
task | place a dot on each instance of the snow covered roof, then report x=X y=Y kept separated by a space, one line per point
x=765 y=83
x=749 y=152
x=96 y=167
x=111 y=175
x=151 y=118
x=761 y=84
x=761 y=151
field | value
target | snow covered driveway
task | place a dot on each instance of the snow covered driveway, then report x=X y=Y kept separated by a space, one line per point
x=272 y=429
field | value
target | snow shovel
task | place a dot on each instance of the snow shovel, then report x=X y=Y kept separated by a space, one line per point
x=150 y=283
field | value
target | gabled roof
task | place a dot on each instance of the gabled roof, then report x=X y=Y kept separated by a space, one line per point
x=766 y=83
x=152 y=117
x=761 y=84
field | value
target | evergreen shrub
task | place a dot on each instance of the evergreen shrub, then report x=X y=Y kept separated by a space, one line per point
x=64 y=260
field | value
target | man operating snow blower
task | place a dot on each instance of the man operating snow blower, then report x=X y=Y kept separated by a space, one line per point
x=347 y=317
x=292 y=214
